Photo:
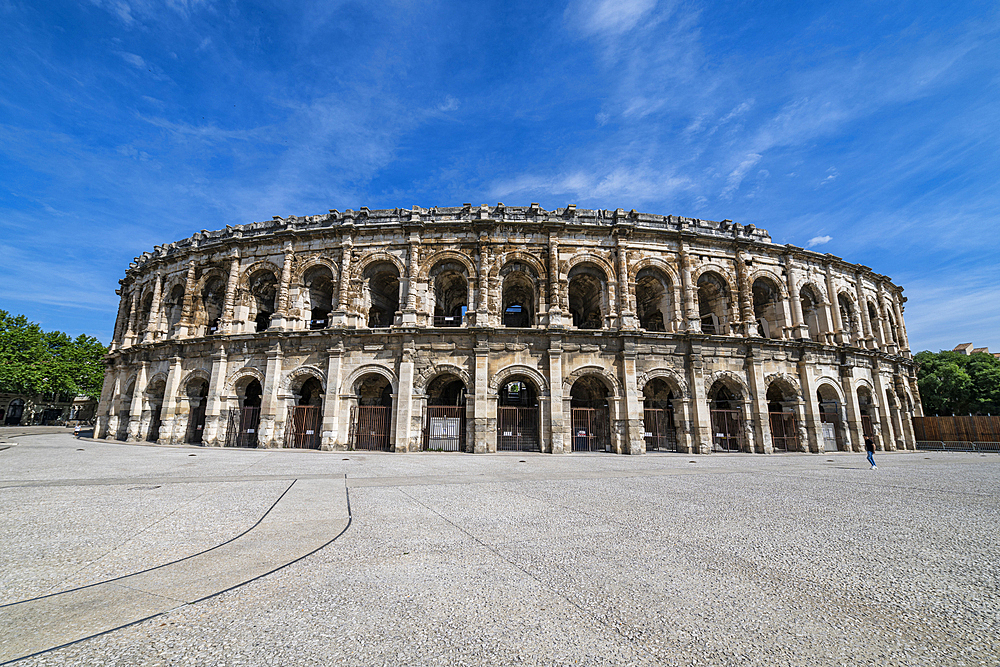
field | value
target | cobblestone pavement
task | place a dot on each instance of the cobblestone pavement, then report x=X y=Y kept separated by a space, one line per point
x=528 y=559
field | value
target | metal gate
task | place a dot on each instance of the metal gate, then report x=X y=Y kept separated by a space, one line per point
x=196 y=423
x=302 y=430
x=370 y=428
x=517 y=429
x=445 y=428
x=659 y=430
x=591 y=430
x=784 y=432
x=832 y=440
x=727 y=430
x=867 y=428
x=242 y=428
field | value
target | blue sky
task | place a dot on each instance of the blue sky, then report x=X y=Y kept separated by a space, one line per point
x=867 y=130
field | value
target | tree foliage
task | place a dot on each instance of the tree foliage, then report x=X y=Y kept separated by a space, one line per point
x=33 y=361
x=952 y=383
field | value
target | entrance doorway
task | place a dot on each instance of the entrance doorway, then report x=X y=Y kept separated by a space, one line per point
x=371 y=418
x=197 y=391
x=517 y=417
x=781 y=417
x=727 y=420
x=444 y=429
x=244 y=421
x=302 y=430
x=658 y=420
x=590 y=416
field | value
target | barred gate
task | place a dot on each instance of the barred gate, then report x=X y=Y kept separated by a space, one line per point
x=370 y=426
x=302 y=430
x=833 y=419
x=196 y=424
x=727 y=430
x=784 y=432
x=242 y=428
x=445 y=428
x=591 y=429
x=517 y=429
x=867 y=428
x=659 y=430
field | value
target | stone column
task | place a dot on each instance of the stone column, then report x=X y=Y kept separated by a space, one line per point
x=887 y=332
x=888 y=440
x=799 y=330
x=693 y=320
x=866 y=325
x=135 y=410
x=331 y=400
x=129 y=336
x=814 y=429
x=854 y=427
x=904 y=344
x=635 y=442
x=481 y=376
x=226 y=325
x=701 y=418
x=412 y=269
x=153 y=323
x=121 y=323
x=168 y=411
x=109 y=391
x=627 y=318
x=187 y=315
x=747 y=325
x=839 y=334
x=214 y=419
x=271 y=418
x=339 y=316
x=404 y=401
x=280 y=319
x=909 y=439
x=555 y=311
x=558 y=416
x=758 y=400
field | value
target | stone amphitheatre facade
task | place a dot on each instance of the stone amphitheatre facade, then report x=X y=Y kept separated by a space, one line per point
x=506 y=328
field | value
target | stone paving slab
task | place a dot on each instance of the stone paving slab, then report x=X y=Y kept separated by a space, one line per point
x=309 y=515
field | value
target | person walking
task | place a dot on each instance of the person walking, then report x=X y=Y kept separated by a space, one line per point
x=870 y=448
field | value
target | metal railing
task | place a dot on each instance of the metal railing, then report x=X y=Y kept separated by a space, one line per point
x=957 y=446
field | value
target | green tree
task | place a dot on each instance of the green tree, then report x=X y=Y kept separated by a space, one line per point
x=953 y=383
x=33 y=361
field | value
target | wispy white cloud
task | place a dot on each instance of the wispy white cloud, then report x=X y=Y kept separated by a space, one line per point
x=818 y=240
x=736 y=175
x=612 y=17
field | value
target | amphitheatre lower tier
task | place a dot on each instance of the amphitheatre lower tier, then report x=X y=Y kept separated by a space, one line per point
x=486 y=329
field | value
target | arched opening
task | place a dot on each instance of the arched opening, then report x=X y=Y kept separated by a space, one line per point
x=174 y=308
x=197 y=393
x=781 y=401
x=891 y=324
x=305 y=418
x=517 y=416
x=263 y=294
x=519 y=295
x=873 y=319
x=831 y=423
x=767 y=308
x=654 y=299
x=444 y=429
x=587 y=296
x=154 y=401
x=371 y=417
x=213 y=298
x=810 y=312
x=713 y=303
x=590 y=415
x=866 y=406
x=15 y=411
x=244 y=421
x=848 y=317
x=382 y=294
x=451 y=293
x=659 y=419
x=725 y=408
x=125 y=411
x=145 y=307
x=895 y=425
x=318 y=283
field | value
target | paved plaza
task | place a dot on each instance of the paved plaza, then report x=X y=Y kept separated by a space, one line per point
x=278 y=557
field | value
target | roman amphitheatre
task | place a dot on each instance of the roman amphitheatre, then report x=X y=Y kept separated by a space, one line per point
x=492 y=328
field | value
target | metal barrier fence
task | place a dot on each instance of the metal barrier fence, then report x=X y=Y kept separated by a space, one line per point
x=957 y=446
x=517 y=429
x=591 y=429
x=445 y=428
x=370 y=428
x=302 y=429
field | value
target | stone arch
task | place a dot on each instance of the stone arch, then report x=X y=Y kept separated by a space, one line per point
x=588 y=293
x=591 y=258
x=261 y=265
x=654 y=263
x=427 y=264
x=732 y=382
x=717 y=310
x=606 y=377
x=159 y=377
x=503 y=374
x=865 y=383
x=197 y=374
x=438 y=369
x=519 y=256
x=825 y=381
x=367 y=369
x=785 y=380
x=768 y=274
x=240 y=374
x=712 y=267
x=668 y=375
x=298 y=274
x=358 y=268
x=294 y=379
